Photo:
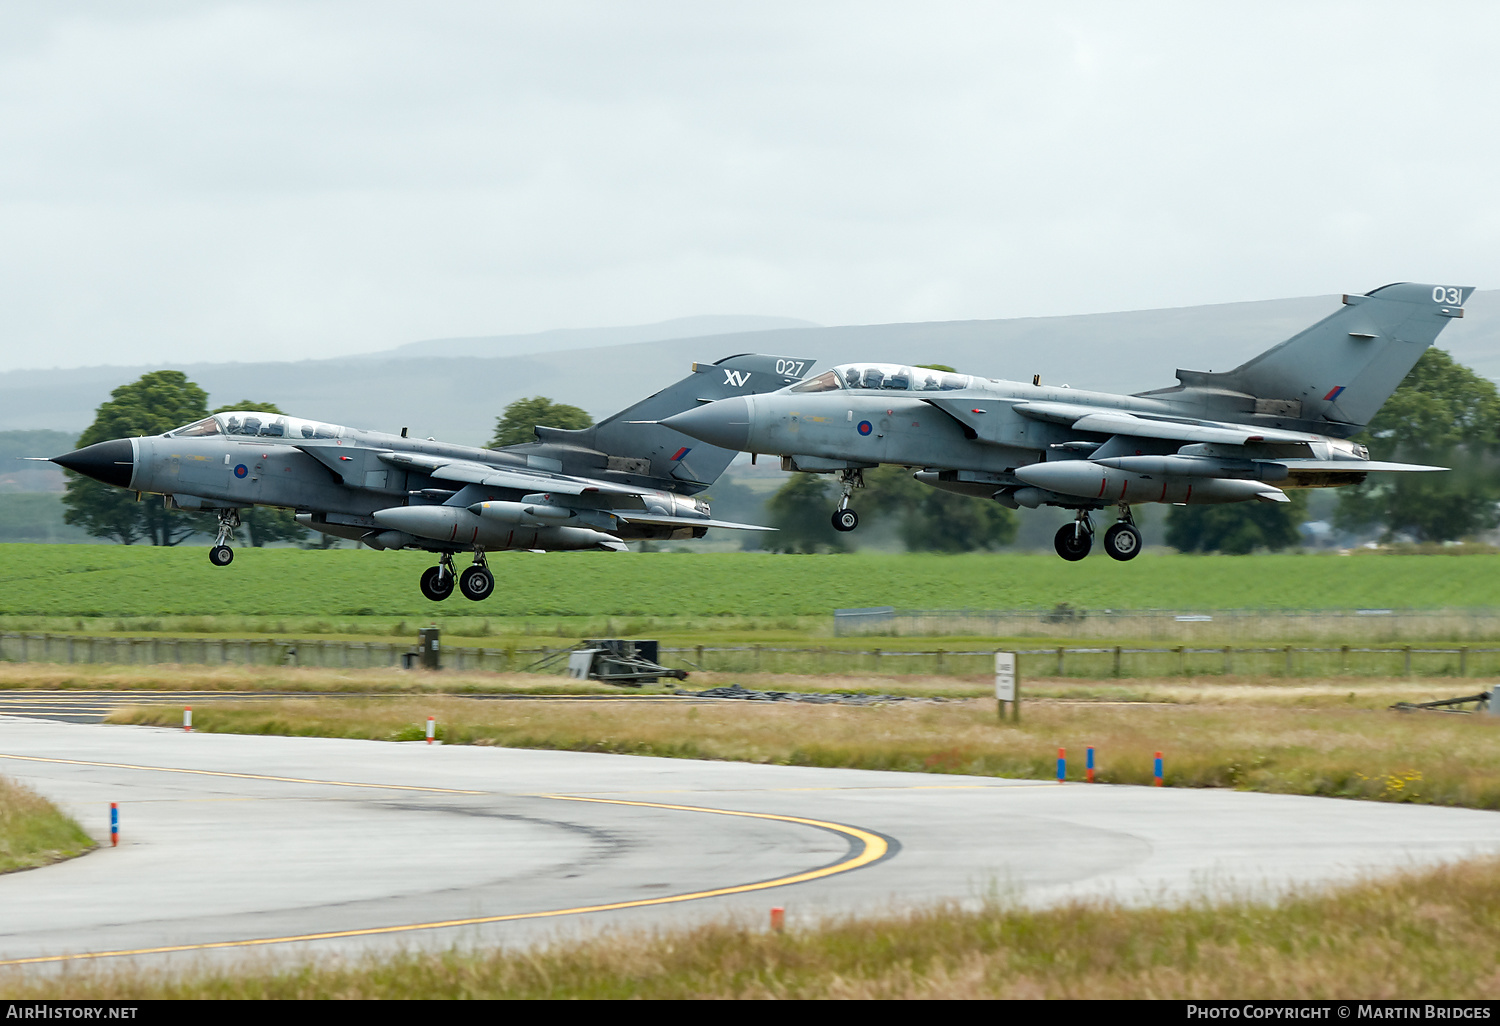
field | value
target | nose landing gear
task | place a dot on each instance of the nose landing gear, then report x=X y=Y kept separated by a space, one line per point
x=221 y=554
x=844 y=518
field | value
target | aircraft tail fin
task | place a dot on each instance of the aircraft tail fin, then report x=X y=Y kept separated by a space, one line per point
x=633 y=448
x=1334 y=376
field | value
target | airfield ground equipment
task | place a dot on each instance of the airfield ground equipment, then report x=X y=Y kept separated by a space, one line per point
x=1485 y=701
x=617 y=661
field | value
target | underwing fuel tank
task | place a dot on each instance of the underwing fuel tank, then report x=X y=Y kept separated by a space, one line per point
x=1100 y=483
x=462 y=528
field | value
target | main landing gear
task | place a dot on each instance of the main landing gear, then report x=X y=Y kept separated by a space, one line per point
x=1074 y=540
x=221 y=554
x=844 y=518
x=476 y=583
x=1122 y=541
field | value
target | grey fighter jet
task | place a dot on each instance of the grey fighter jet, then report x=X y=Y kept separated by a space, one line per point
x=626 y=478
x=1281 y=420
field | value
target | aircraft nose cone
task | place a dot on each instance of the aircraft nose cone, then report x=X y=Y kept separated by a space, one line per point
x=725 y=423
x=112 y=462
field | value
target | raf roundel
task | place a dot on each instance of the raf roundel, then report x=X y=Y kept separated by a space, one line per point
x=864 y=427
x=241 y=470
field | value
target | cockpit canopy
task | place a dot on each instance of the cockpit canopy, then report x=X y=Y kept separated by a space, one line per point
x=883 y=376
x=250 y=423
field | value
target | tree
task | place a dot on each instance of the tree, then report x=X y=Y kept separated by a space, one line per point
x=932 y=520
x=926 y=519
x=800 y=513
x=263 y=524
x=158 y=402
x=1236 y=528
x=521 y=417
x=1443 y=414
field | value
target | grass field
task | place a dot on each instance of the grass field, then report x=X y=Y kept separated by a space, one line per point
x=1430 y=935
x=361 y=592
x=1319 y=738
x=33 y=832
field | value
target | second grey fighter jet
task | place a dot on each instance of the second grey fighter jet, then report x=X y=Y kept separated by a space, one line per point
x=1281 y=420
x=626 y=478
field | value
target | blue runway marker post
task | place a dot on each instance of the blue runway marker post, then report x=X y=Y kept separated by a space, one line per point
x=1089 y=769
x=1156 y=770
x=1062 y=765
x=114 y=824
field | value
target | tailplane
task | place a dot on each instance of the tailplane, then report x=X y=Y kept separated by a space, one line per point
x=632 y=448
x=1334 y=376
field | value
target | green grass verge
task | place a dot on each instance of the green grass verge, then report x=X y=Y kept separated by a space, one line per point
x=33 y=832
x=1428 y=935
x=136 y=581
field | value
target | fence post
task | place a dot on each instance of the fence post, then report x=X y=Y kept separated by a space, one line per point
x=757 y=658
x=1407 y=651
x=1117 y=660
x=1463 y=660
x=1344 y=659
x=939 y=671
x=1289 y=660
x=1228 y=661
x=877 y=660
x=1059 y=660
x=1182 y=660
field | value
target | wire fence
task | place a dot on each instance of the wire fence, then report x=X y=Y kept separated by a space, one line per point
x=1061 y=661
x=1178 y=625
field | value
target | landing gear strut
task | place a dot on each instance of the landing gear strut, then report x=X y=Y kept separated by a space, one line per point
x=1074 y=540
x=844 y=518
x=221 y=554
x=477 y=582
x=1123 y=540
x=437 y=581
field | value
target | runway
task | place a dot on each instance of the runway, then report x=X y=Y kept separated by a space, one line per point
x=235 y=844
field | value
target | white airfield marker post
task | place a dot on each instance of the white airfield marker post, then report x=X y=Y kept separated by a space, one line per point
x=1007 y=685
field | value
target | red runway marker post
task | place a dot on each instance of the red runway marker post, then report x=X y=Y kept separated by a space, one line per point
x=778 y=918
x=114 y=824
x=1089 y=768
x=187 y=719
x=1062 y=765
x=431 y=728
x=1156 y=770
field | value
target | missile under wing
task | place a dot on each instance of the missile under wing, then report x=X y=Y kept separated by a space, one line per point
x=1281 y=420
x=595 y=488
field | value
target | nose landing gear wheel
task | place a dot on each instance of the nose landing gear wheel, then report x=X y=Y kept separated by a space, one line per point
x=845 y=520
x=1123 y=541
x=476 y=583
x=1071 y=544
x=221 y=555
x=437 y=583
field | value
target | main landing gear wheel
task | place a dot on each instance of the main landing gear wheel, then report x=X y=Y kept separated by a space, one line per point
x=845 y=520
x=1123 y=541
x=1071 y=543
x=221 y=555
x=476 y=583
x=437 y=583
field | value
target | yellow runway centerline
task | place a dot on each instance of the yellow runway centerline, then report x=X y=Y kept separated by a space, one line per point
x=871 y=848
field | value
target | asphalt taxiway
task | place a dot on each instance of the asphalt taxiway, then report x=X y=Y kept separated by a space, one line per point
x=238 y=843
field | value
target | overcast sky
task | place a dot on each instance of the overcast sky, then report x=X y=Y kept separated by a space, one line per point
x=245 y=181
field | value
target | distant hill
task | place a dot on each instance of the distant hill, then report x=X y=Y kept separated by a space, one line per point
x=561 y=339
x=457 y=398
